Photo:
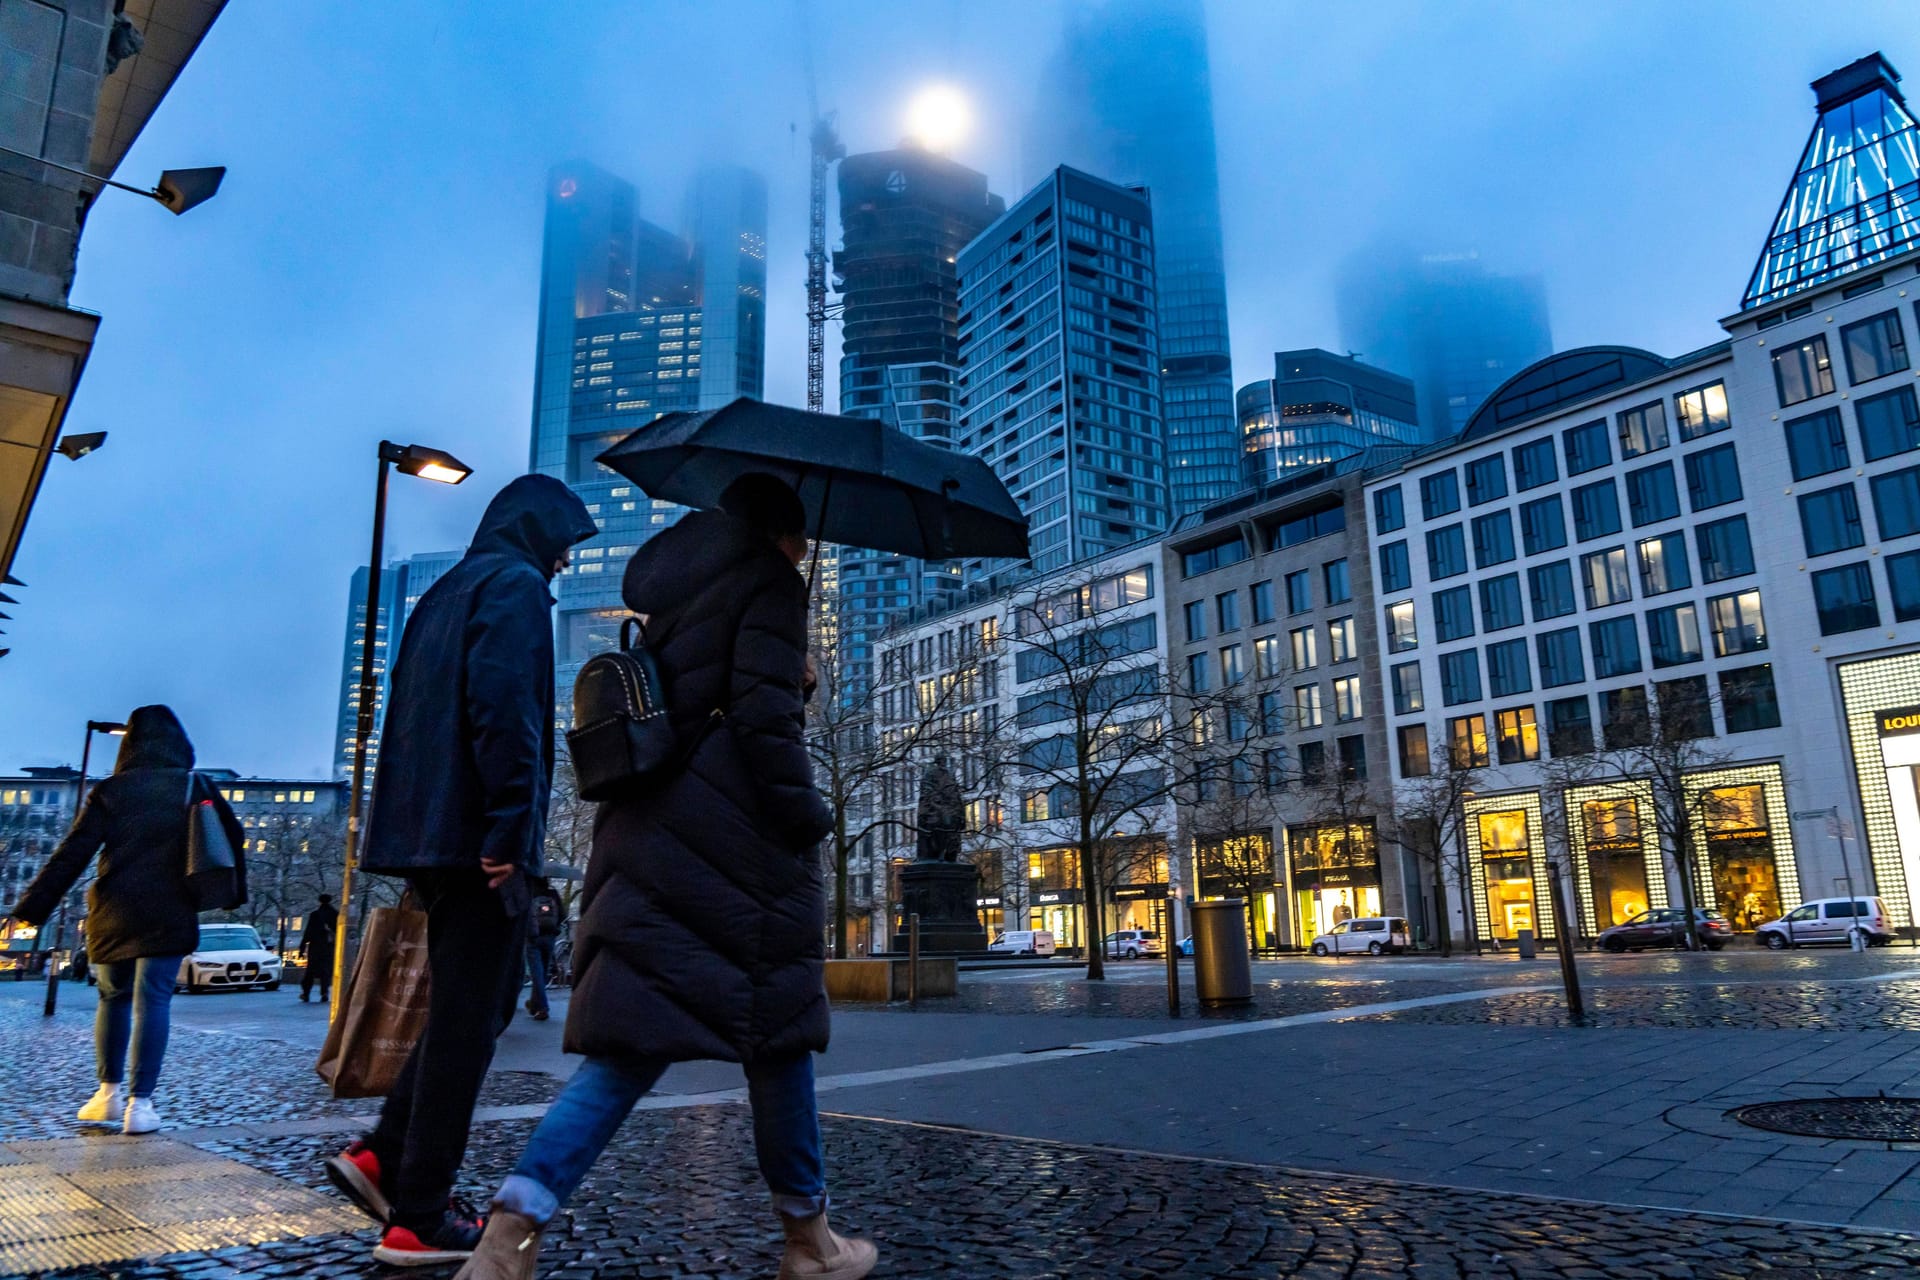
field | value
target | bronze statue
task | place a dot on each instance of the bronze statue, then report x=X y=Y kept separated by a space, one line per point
x=942 y=815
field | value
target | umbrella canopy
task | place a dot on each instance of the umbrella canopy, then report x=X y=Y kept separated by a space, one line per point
x=863 y=483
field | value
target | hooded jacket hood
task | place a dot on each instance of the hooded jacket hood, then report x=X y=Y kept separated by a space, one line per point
x=155 y=740
x=675 y=564
x=535 y=518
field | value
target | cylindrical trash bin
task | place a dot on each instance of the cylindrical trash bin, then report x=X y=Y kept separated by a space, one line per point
x=1222 y=965
x=1525 y=938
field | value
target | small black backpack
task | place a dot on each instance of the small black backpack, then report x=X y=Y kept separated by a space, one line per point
x=621 y=735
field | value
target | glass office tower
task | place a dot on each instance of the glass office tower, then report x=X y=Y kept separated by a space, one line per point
x=1317 y=408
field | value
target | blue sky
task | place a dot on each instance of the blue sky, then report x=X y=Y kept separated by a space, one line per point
x=370 y=267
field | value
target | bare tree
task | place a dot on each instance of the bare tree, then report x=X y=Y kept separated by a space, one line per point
x=1229 y=814
x=1429 y=823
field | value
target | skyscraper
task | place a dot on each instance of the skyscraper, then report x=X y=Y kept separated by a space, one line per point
x=1319 y=407
x=904 y=217
x=402 y=583
x=1445 y=320
x=625 y=336
x=1139 y=110
x=1059 y=360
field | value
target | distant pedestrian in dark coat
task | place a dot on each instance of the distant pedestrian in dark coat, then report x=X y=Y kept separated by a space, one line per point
x=459 y=808
x=704 y=929
x=142 y=919
x=316 y=949
x=542 y=931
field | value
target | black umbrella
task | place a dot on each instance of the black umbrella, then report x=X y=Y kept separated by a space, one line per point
x=864 y=484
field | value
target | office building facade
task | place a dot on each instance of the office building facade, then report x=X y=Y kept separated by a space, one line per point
x=1319 y=408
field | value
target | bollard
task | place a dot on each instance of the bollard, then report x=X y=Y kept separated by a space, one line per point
x=913 y=961
x=1173 y=972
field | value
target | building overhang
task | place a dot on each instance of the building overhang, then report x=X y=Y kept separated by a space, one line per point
x=43 y=350
x=170 y=31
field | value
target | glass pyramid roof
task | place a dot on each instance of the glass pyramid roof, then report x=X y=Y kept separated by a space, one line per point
x=1855 y=199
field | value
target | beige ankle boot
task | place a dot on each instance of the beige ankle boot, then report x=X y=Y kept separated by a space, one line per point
x=814 y=1252
x=507 y=1249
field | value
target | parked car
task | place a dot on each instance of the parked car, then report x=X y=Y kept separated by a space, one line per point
x=1184 y=946
x=1666 y=927
x=1023 y=942
x=229 y=958
x=1828 y=920
x=1375 y=935
x=1131 y=944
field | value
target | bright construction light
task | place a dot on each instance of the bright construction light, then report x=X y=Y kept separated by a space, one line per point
x=445 y=475
x=939 y=117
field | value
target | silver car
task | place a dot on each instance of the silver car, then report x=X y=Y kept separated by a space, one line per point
x=230 y=957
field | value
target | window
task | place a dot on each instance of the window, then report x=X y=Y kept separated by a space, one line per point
x=1543 y=525
x=1196 y=613
x=1587 y=447
x=1816 y=444
x=1459 y=677
x=1233 y=665
x=1306 y=654
x=1623 y=718
x=1702 y=411
x=1272 y=713
x=1748 y=700
x=1830 y=518
x=1313 y=761
x=1517 y=736
x=1492 y=539
x=1725 y=551
x=1663 y=564
x=1353 y=757
x=1338 y=582
x=1306 y=706
x=1346 y=699
x=1262 y=602
x=1843 y=598
x=1342 y=640
x=1220 y=554
x=1551 y=589
x=1299 y=591
x=1896 y=503
x=1198 y=678
x=1616 y=647
x=1713 y=477
x=1396 y=569
x=1403 y=633
x=1570 y=726
x=1604 y=573
x=1509 y=670
x=1643 y=430
x=1452 y=614
x=1903 y=584
x=1685 y=711
x=1560 y=659
x=1651 y=495
x=1467 y=741
x=1889 y=423
x=1802 y=371
x=1500 y=605
x=1295 y=530
x=1738 y=626
x=1673 y=635
x=1266 y=657
x=1408 y=697
x=1486 y=480
x=1596 y=510
x=1227 y=609
x=1439 y=495
x=1874 y=347
x=1446 y=552
x=1389 y=512
x=1412 y=741
x=1534 y=465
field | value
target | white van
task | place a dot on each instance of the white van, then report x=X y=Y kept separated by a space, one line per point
x=1023 y=942
x=1375 y=935
x=1828 y=920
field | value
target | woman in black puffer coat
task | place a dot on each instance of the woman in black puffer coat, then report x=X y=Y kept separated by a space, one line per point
x=703 y=934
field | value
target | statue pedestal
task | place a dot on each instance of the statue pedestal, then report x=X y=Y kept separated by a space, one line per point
x=943 y=894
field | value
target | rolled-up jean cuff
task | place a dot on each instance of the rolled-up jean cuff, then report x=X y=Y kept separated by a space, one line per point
x=522 y=1195
x=795 y=1206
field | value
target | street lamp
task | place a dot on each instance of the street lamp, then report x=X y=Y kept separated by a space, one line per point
x=178 y=189
x=58 y=922
x=427 y=464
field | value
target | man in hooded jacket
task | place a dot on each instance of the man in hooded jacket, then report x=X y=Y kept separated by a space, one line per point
x=459 y=808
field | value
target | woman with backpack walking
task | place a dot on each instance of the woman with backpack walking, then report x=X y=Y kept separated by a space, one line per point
x=143 y=917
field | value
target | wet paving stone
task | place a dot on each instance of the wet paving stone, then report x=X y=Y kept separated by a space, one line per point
x=1784 y=1006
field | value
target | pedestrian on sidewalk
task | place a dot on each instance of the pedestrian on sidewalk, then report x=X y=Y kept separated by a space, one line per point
x=316 y=949
x=142 y=917
x=704 y=926
x=541 y=934
x=459 y=809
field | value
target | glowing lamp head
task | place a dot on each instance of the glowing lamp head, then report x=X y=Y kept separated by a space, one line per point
x=939 y=117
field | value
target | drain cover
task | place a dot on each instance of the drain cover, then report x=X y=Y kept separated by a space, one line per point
x=1866 y=1119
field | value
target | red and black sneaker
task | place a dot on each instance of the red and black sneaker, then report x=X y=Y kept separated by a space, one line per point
x=356 y=1173
x=452 y=1239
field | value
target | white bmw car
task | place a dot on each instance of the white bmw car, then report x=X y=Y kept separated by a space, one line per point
x=229 y=958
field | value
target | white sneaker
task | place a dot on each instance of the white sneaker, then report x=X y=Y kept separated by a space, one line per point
x=104 y=1107
x=142 y=1116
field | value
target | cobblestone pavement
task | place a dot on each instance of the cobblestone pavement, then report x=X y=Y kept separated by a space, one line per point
x=1788 y=1006
x=677 y=1197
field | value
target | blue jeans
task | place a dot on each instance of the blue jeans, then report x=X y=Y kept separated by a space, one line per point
x=583 y=1119
x=135 y=996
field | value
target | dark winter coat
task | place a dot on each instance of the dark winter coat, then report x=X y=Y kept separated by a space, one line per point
x=136 y=820
x=466 y=754
x=317 y=938
x=703 y=931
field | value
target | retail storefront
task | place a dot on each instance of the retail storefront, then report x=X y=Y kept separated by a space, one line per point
x=1510 y=890
x=1241 y=866
x=1139 y=906
x=1616 y=851
x=1335 y=874
x=1739 y=818
x=1054 y=896
x=1882 y=701
x=993 y=915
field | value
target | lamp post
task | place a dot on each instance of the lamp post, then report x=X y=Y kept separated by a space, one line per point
x=58 y=922
x=428 y=464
